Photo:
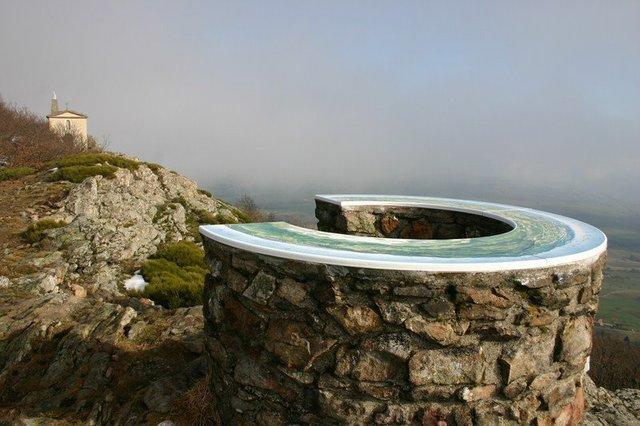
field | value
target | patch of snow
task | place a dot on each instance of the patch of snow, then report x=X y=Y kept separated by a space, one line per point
x=136 y=282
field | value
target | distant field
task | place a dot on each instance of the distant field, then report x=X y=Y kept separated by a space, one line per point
x=620 y=296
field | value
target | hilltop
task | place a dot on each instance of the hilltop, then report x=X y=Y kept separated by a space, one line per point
x=77 y=345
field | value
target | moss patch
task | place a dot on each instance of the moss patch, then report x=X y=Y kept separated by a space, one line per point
x=77 y=174
x=35 y=231
x=92 y=159
x=175 y=275
x=76 y=168
x=182 y=253
x=8 y=173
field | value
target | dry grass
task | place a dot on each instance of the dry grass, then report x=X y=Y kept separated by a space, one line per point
x=36 y=231
x=196 y=406
x=16 y=196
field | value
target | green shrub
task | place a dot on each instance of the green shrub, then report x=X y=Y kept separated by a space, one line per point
x=173 y=286
x=204 y=217
x=76 y=168
x=8 y=173
x=92 y=159
x=182 y=253
x=35 y=231
x=180 y=200
x=175 y=275
x=77 y=174
x=161 y=211
x=195 y=217
x=225 y=219
x=153 y=166
x=204 y=192
x=242 y=216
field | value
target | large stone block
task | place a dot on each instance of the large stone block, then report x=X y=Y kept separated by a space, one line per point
x=528 y=357
x=295 y=344
x=261 y=288
x=357 y=319
x=348 y=410
x=444 y=333
x=396 y=312
x=447 y=366
x=576 y=340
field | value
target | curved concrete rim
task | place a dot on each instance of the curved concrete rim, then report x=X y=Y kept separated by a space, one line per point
x=574 y=241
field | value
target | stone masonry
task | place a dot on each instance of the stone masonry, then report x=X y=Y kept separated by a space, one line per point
x=295 y=342
x=406 y=222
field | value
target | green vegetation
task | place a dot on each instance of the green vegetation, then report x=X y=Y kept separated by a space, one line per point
x=76 y=168
x=620 y=299
x=35 y=231
x=204 y=192
x=182 y=253
x=242 y=216
x=161 y=212
x=204 y=217
x=194 y=217
x=175 y=275
x=92 y=159
x=77 y=174
x=8 y=173
x=153 y=166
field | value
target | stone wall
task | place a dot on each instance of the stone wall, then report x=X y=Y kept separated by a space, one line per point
x=406 y=222
x=294 y=342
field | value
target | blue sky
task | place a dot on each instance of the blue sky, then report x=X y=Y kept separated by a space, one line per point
x=301 y=93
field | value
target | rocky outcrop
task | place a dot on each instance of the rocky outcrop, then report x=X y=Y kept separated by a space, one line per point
x=124 y=219
x=81 y=359
x=616 y=408
x=73 y=346
x=114 y=223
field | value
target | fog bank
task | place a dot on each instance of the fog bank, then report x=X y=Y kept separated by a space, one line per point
x=396 y=96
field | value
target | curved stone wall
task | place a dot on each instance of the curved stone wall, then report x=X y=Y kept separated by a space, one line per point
x=298 y=342
x=406 y=222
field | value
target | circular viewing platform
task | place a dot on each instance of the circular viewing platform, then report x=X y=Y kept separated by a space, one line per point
x=403 y=310
x=483 y=236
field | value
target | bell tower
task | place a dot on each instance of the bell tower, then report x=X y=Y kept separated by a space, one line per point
x=54 y=104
